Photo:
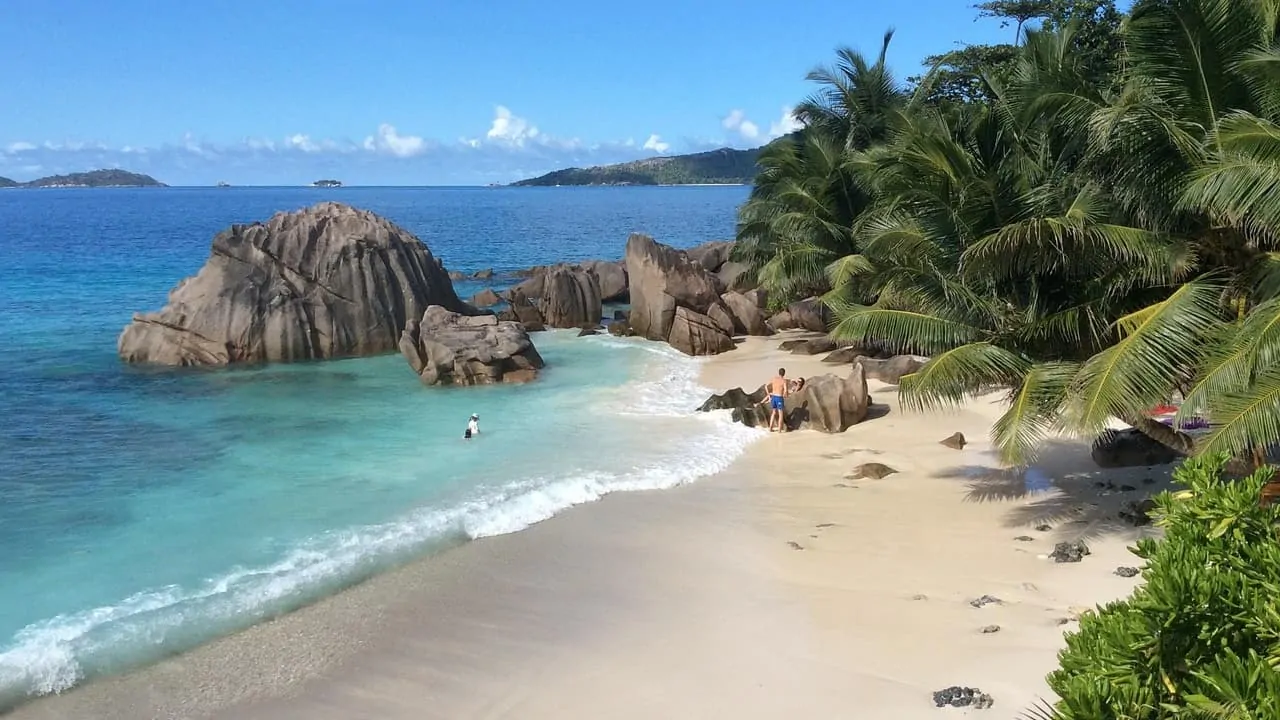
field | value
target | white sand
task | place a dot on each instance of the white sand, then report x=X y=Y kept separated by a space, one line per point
x=777 y=589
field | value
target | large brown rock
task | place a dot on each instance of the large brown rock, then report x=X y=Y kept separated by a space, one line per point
x=711 y=255
x=325 y=282
x=570 y=298
x=892 y=369
x=827 y=403
x=1130 y=448
x=446 y=348
x=693 y=333
x=524 y=311
x=747 y=318
x=485 y=298
x=613 y=278
x=809 y=314
x=663 y=281
x=732 y=275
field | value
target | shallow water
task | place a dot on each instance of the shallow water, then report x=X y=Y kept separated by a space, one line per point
x=145 y=511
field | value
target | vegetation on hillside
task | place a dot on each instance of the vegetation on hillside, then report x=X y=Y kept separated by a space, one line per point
x=95 y=178
x=7 y=183
x=1088 y=218
x=725 y=166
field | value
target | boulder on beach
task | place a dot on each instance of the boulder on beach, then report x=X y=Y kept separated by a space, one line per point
x=613 y=278
x=1130 y=448
x=570 y=298
x=447 y=348
x=671 y=296
x=891 y=370
x=747 y=318
x=328 y=281
x=827 y=403
x=523 y=311
x=711 y=255
x=808 y=314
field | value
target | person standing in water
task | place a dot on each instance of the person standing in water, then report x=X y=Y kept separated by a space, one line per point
x=473 y=427
x=778 y=390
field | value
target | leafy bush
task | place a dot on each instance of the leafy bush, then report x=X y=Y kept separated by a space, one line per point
x=1201 y=637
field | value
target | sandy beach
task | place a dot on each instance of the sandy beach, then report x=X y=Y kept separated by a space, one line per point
x=776 y=589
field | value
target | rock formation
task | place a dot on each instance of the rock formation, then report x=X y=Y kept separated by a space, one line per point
x=809 y=314
x=485 y=298
x=827 y=403
x=570 y=298
x=892 y=369
x=325 y=282
x=1130 y=448
x=446 y=348
x=612 y=276
x=523 y=311
x=671 y=296
x=747 y=318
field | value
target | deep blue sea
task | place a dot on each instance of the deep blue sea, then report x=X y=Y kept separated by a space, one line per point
x=144 y=511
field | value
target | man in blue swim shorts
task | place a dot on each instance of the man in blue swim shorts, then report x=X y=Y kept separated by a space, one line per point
x=777 y=401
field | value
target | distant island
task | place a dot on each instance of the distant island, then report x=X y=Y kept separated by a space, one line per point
x=327 y=183
x=725 y=166
x=93 y=179
x=223 y=183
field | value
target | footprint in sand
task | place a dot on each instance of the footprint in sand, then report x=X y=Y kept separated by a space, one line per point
x=824 y=526
x=794 y=545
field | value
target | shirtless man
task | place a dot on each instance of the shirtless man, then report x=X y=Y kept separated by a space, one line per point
x=778 y=390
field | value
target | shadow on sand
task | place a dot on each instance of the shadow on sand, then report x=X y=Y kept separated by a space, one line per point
x=1065 y=491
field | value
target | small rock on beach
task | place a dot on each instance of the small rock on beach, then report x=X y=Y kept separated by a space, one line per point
x=957 y=696
x=955 y=442
x=1065 y=552
x=986 y=600
x=1126 y=572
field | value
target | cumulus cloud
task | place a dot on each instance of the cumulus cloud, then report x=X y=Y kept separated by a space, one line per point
x=736 y=121
x=785 y=124
x=17 y=147
x=656 y=144
x=302 y=142
x=393 y=143
x=509 y=128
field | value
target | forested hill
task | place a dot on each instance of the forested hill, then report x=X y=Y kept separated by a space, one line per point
x=725 y=166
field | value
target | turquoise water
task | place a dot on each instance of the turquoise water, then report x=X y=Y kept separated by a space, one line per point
x=145 y=511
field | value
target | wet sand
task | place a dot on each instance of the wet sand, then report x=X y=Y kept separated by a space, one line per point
x=777 y=588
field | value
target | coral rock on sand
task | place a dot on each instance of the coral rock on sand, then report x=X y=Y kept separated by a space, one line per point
x=891 y=370
x=570 y=298
x=1130 y=448
x=1069 y=552
x=1137 y=513
x=956 y=441
x=956 y=696
x=328 y=281
x=873 y=471
x=1126 y=572
x=986 y=600
x=671 y=296
x=446 y=348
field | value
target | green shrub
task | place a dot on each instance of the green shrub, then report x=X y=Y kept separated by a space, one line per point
x=1201 y=637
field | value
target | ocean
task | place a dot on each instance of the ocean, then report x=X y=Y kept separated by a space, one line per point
x=145 y=511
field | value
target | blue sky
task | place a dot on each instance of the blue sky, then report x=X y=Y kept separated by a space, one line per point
x=420 y=93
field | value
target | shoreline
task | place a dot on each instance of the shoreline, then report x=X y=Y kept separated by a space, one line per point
x=777 y=586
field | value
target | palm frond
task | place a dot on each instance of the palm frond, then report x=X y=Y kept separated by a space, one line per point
x=951 y=377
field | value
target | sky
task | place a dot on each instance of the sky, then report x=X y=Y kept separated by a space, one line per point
x=425 y=92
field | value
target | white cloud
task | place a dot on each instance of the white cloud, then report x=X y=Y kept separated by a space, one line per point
x=393 y=143
x=510 y=128
x=736 y=121
x=785 y=124
x=301 y=142
x=656 y=144
x=18 y=147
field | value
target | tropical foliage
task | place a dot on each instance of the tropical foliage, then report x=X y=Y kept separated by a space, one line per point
x=1089 y=218
x=1200 y=638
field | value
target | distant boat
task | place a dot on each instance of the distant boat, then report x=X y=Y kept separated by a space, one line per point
x=223 y=183
x=327 y=183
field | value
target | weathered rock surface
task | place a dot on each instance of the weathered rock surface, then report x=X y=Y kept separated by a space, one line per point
x=711 y=255
x=827 y=403
x=731 y=275
x=955 y=441
x=747 y=318
x=957 y=696
x=892 y=369
x=485 y=274
x=693 y=333
x=1137 y=512
x=446 y=348
x=485 y=298
x=325 y=282
x=613 y=278
x=570 y=298
x=524 y=312
x=1125 y=571
x=671 y=296
x=809 y=314
x=1130 y=448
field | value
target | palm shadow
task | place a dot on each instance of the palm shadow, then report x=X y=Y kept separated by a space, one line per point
x=1065 y=491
